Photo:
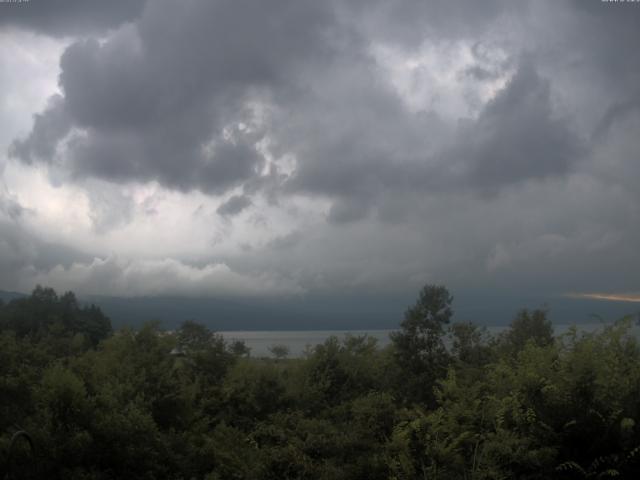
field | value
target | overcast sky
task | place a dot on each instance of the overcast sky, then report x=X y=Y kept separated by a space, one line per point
x=292 y=148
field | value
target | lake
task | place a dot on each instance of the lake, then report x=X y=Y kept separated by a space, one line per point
x=298 y=340
x=260 y=341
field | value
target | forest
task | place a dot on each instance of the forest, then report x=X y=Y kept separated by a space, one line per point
x=443 y=401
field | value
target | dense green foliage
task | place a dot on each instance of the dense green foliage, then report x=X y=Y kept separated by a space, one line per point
x=442 y=401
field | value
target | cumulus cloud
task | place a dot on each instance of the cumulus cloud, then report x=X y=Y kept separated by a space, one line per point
x=119 y=277
x=188 y=103
x=517 y=136
x=170 y=97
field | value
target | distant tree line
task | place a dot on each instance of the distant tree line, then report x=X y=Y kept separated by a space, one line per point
x=442 y=401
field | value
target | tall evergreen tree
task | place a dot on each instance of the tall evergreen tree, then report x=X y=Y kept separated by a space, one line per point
x=419 y=345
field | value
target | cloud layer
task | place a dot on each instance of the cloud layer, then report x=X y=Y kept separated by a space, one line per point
x=300 y=146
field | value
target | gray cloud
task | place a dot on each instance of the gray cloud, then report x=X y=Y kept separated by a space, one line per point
x=349 y=209
x=24 y=252
x=16 y=251
x=69 y=17
x=286 y=242
x=115 y=276
x=234 y=205
x=10 y=209
x=109 y=207
x=27 y=259
x=158 y=99
x=604 y=39
x=409 y=23
x=48 y=128
x=517 y=137
x=508 y=187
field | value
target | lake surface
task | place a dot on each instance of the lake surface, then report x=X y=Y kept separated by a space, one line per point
x=297 y=341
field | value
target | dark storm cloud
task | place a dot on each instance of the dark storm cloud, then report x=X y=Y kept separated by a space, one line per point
x=589 y=49
x=354 y=139
x=234 y=205
x=163 y=99
x=69 y=17
x=409 y=22
x=605 y=38
x=48 y=128
x=617 y=114
x=495 y=145
x=516 y=137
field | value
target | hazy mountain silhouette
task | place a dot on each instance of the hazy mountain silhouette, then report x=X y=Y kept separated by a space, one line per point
x=333 y=312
